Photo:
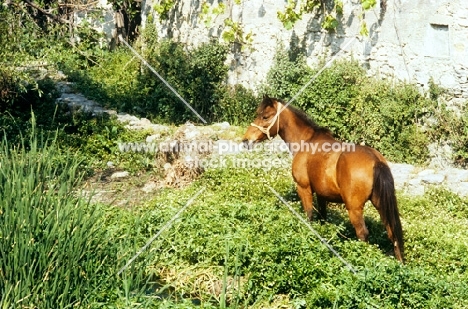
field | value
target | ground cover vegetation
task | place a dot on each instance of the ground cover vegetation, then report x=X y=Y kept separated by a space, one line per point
x=237 y=246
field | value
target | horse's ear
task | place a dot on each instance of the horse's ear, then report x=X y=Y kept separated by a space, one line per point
x=267 y=100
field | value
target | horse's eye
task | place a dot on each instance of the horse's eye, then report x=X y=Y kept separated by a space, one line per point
x=265 y=117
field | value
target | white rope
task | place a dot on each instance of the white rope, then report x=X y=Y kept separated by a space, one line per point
x=266 y=131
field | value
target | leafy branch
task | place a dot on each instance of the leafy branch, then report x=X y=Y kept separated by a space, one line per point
x=163 y=8
x=295 y=9
x=234 y=33
x=207 y=12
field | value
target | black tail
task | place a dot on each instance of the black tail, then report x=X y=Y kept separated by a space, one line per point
x=384 y=195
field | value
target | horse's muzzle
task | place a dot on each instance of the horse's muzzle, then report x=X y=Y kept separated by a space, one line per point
x=247 y=144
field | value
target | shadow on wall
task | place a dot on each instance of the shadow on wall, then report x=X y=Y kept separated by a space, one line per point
x=335 y=39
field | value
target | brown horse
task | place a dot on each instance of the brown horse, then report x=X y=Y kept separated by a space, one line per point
x=335 y=171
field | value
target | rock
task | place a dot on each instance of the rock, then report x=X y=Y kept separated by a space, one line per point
x=433 y=179
x=110 y=164
x=150 y=139
x=397 y=167
x=120 y=175
x=441 y=155
x=459 y=188
x=191 y=133
x=426 y=172
x=167 y=166
x=222 y=125
x=124 y=118
x=145 y=122
x=401 y=173
x=415 y=187
x=189 y=158
x=150 y=186
x=454 y=175
x=159 y=128
x=60 y=76
x=171 y=177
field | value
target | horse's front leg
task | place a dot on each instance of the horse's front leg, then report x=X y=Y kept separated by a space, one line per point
x=306 y=195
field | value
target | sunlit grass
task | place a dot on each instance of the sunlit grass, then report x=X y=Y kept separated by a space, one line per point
x=236 y=246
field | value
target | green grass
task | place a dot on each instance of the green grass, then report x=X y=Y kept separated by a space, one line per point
x=271 y=254
x=236 y=246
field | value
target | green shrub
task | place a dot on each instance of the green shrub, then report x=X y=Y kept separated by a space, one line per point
x=198 y=76
x=95 y=138
x=286 y=76
x=112 y=83
x=448 y=125
x=389 y=119
x=19 y=95
x=357 y=108
x=239 y=226
x=235 y=105
x=120 y=81
x=11 y=88
x=451 y=128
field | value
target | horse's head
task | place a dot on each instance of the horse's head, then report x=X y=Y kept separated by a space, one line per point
x=266 y=124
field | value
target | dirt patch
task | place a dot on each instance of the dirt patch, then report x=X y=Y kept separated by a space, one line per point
x=122 y=192
x=135 y=189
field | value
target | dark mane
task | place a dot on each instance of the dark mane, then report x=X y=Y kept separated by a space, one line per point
x=302 y=116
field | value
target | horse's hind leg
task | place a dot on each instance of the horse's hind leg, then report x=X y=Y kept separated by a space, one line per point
x=356 y=216
x=322 y=208
x=305 y=193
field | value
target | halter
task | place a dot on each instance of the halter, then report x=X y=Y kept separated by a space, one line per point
x=267 y=130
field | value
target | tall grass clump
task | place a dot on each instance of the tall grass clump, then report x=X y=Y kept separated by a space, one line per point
x=54 y=250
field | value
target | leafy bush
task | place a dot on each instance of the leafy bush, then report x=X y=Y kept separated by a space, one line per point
x=96 y=138
x=19 y=95
x=451 y=128
x=235 y=105
x=198 y=75
x=120 y=81
x=357 y=108
x=11 y=88
x=390 y=119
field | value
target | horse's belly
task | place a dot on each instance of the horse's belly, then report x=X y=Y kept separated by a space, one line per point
x=332 y=198
x=328 y=190
x=322 y=172
x=318 y=172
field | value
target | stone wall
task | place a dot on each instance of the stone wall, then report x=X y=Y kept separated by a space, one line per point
x=410 y=40
x=104 y=24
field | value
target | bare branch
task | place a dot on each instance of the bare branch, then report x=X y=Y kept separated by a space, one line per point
x=55 y=17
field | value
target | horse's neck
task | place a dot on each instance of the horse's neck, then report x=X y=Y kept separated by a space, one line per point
x=294 y=131
x=296 y=134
